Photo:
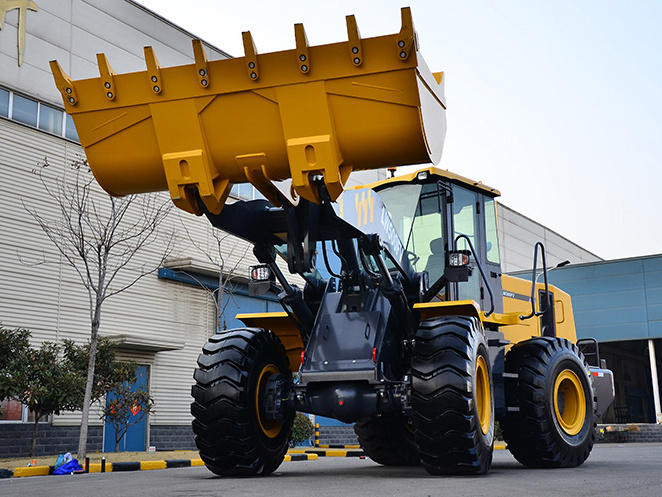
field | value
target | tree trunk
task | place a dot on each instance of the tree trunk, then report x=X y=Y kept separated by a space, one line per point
x=94 y=338
x=35 y=430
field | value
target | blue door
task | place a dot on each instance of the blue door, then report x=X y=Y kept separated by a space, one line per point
x=136 y=436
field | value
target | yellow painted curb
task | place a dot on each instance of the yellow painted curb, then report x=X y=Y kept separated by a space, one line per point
x=499 y=446
x=311 y=457
x=336 y=453
x=95 y=467
x=197 y=462
x=146 y=465
x=345 y=447
x=31 y=471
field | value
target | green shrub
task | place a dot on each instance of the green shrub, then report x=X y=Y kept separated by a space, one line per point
x=302 y=429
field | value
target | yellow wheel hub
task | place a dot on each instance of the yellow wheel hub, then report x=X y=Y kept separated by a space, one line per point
x=483 y=395
x=270 y=428
x=569 y=402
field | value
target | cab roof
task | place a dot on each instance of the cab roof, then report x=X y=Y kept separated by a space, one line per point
x=441 y=173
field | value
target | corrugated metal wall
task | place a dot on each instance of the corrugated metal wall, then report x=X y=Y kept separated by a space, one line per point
x=518 y=235
x=615 y=300
x=50 y=300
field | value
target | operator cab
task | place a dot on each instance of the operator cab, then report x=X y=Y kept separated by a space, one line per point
x=430 y=210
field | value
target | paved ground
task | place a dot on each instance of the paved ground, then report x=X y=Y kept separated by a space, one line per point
x=612 y=470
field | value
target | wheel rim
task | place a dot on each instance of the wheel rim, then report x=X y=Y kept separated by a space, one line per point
x=483 y=395
x=569 y=402
x=270 y=428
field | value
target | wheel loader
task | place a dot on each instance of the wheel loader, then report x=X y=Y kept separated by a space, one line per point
x=405 y=324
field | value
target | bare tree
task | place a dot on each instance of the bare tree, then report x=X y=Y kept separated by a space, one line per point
x=227 y=255
x=99 y=236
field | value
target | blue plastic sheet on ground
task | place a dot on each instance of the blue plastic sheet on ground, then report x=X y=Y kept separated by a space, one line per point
x=68 y=468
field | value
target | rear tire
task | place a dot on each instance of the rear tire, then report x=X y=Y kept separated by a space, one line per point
x=452 y=397
x=388 y=439
x=231 y=431
x=556 y=422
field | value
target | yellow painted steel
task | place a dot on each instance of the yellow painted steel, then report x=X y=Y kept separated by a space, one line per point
x=356 y=105
x=430 y=310
x=568 y=387
x=281 y=324
x=517 y=302
x=483 y=395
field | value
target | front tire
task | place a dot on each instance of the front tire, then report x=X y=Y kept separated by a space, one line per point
x=452 y=397
x=555 y=425
x=232 y=432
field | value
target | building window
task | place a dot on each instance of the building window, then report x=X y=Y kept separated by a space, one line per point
x=50 y=119
x=24 y=110
x=4 y=103
x=45 y=117
x=70 y=130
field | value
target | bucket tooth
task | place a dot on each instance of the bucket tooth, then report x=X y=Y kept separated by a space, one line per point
x=153 y=70
x=250 y=55
x=355 y=53
x=63 y=83
x=107 y=76
x=407 y=36
x=303 y=56
x=201 y=64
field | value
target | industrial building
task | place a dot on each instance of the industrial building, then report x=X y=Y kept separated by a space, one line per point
x=163 y=321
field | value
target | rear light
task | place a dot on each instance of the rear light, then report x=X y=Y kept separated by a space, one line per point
x=303 y=357
x=374 y=355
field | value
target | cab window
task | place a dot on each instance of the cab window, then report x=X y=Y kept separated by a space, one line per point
x=491 y=232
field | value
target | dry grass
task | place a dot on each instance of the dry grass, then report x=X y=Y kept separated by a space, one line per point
x=17 y=462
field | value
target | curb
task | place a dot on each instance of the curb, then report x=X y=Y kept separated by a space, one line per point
x=336 y=446
x=292 y=455
x=348 y=452
x=297 y=456
x=329 y=452
x=23 y=472
x=112 y=467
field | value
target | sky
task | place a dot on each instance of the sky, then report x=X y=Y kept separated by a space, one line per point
x=558 y=104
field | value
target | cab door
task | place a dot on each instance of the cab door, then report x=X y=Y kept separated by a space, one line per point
x=465 y=209
x=491 y=255
x=474 y=216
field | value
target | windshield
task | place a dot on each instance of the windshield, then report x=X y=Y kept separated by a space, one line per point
x=416 y=213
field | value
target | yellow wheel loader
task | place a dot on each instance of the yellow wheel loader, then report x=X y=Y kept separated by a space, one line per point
x=405 y=318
